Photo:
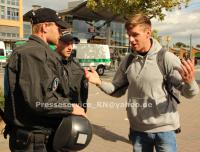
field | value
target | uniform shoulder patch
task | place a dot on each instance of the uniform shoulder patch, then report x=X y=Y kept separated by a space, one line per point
x=55 y=84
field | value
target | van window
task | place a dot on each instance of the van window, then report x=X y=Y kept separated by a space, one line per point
x=73 y=54
x=1 y=52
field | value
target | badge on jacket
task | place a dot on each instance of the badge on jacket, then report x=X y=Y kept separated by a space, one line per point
x=55 y=84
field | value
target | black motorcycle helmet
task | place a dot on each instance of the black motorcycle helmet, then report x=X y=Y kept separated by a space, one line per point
x=74 y=133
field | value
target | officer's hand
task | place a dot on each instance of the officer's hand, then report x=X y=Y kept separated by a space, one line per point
x=77 y=110
x=187 y=70
x=92 y=76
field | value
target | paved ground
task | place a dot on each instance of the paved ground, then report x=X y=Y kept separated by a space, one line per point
x=110 y=125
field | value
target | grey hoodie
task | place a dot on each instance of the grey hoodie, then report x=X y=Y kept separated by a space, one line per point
x=148 y=105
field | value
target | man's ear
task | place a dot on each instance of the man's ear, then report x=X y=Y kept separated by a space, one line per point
x=149 y=32
x=44 y=28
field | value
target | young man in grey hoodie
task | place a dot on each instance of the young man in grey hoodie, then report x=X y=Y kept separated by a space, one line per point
x=152 y=115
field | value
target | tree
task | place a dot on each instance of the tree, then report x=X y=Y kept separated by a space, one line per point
x=154 y=34
x=198 y=45
x=180 y=44
x=152 y=8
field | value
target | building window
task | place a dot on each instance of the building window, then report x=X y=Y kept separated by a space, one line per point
x=27 y=30
x=9 y=2
x=14 y=35
x=2 y=12
x=12 y=13
x=8 y=34
x=8 y=13
x=3 y=1
x=3 y=34
x=69 y=19
x=17 y=3
x=13 y=2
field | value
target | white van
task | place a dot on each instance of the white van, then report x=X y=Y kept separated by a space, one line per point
x=95 y=55
x=2 y=52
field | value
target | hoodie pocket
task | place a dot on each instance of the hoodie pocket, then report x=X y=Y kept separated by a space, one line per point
x=142 y=110
x=165 y=106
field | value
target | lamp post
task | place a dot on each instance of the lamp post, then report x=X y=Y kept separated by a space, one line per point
x=160 y=40
x=190 y=45
x=168 y=39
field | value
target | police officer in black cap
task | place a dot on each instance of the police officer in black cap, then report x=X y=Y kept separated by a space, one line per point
x=37 y=98
x=75 y=73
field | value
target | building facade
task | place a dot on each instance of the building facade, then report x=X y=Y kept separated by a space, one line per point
x=11 y=21
x=95 y=31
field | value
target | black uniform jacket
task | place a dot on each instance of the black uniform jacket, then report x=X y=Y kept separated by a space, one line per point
x=38 y=93
x=78 y=83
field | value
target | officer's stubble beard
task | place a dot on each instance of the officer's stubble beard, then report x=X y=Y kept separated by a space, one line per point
x=51 y=37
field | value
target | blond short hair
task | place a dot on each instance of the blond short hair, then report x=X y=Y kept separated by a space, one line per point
x=137 y=19
x=36 y=28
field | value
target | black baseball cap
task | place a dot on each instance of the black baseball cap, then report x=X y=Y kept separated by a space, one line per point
x=69 y=38
x=42 y=15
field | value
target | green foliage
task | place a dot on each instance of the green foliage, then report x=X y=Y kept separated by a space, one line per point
x=180 y=44
x=154 y=34
x=198 y=45
x=152 y=8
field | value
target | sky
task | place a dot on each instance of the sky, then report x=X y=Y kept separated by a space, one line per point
x=180 y=25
